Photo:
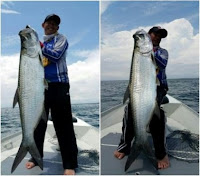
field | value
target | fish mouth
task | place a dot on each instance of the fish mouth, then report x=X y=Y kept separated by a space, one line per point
x=146 y=52
x=28 y=37
x=26 y=31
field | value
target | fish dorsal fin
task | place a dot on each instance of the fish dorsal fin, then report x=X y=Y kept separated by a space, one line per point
x=126 y=95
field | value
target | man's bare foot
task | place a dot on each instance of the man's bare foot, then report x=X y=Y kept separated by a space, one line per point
x=164 y=163
x=69 y=172
x=119 y=155
x=30 y=165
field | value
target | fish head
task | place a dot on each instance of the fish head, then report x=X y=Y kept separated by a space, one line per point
x=143 y=42
x=29 y=40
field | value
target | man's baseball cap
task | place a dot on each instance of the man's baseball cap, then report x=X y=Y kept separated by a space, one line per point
x=53 y=17
x=158 y=29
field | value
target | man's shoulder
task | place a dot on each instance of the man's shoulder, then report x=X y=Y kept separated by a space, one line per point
x=163 y=51
x=61 y=37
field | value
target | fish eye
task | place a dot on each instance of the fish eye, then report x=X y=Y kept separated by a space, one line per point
x=141 y=35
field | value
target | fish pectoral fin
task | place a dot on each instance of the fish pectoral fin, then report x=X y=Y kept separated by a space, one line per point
x=157 y=110
x=135 y=151
x=33 y=150
x=19 y=157
x=126 y=95
x=16 y=98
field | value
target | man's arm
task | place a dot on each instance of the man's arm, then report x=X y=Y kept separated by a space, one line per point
x=56 y=53
x=161 y=57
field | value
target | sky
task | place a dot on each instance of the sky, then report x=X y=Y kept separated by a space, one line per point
x=79 y=23
x=120 y=20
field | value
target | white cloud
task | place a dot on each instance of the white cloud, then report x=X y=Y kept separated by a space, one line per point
x=10 y=40
x=7 y=5
x=79 y=37
x=9 y=75
x=104 y=6
x=181 y=43
x=83 y=75
x=7 y=11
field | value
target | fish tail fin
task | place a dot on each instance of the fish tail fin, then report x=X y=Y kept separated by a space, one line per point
x=150 y=155
x=135 y=151
x=20 y=155
x=33 y=150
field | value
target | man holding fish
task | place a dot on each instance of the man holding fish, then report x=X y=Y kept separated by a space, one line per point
x=157 y=124
x=57 y=97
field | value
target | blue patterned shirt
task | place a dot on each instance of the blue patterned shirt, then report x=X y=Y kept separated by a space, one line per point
x=55 y=50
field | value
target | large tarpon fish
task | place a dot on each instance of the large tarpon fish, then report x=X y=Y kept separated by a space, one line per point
x=30 y=94
x=141 y=93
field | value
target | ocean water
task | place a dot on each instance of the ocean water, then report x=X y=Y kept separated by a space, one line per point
x=10 y=119
x=185 y=90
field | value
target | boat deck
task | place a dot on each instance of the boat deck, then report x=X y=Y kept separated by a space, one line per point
x=88 y=157
x=111 y=124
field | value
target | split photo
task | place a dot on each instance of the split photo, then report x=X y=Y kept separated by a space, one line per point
x=50 y=67
x=137 y=137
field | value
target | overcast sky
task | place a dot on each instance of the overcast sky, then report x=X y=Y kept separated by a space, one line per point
x=120 y=20
x=79 y=23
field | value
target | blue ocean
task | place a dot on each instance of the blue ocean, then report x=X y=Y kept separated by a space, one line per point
x=112 y=92
x=10 y=118
x=185 y=90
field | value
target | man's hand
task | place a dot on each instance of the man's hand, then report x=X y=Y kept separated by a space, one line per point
x=45 y=61
x=41 y=44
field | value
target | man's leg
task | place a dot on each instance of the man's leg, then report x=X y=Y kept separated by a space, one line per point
x=62 y=119
x=127 y=134
x=157 y=129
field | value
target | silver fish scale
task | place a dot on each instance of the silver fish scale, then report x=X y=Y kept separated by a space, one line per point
x=29 y=94
x=143 y=90
x=31 y=90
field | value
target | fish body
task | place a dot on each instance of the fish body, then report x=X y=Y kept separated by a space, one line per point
x=141 y=93
x=30 y=94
